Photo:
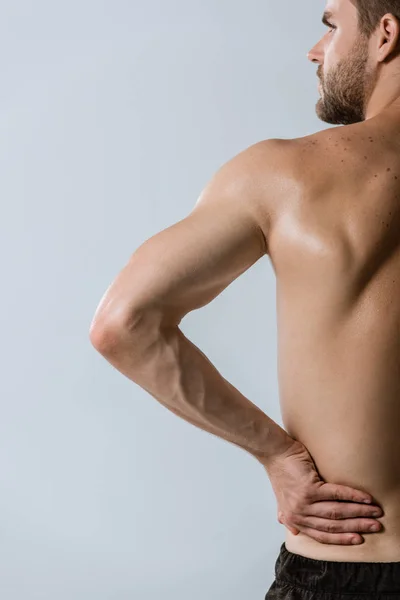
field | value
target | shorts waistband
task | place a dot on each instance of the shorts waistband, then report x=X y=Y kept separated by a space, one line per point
x=337 y=577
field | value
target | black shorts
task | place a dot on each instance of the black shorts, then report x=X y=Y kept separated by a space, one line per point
x=301 y=578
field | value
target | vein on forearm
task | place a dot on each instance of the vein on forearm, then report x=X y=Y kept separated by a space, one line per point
x=179 y=375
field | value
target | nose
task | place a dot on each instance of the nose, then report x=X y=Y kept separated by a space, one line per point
x=312 y=59
x=315 y=55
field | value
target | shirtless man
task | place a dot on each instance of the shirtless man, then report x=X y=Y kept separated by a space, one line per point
x=325 y=210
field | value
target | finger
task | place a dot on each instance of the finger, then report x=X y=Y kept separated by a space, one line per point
x=341 y=510
x=331 y=491
x=344 y=539
x=281 y=520
x=291 y=529
x=340 y=526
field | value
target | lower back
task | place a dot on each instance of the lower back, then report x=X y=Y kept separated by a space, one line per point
x=335 y=248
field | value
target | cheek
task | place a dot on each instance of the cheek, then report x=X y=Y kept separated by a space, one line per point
x=333 y=54
x=341 y=46
x=338 y=44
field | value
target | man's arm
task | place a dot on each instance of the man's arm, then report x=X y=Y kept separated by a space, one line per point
x=180 y=269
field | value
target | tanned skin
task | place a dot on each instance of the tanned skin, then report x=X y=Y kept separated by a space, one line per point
x=325 y=210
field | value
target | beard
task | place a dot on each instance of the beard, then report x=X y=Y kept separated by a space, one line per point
x=348 y=87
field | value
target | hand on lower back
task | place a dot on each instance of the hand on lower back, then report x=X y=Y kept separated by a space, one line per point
x=315 y=508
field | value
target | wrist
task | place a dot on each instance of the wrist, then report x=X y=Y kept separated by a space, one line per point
x=283 y=447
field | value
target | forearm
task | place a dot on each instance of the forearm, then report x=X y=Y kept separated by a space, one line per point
x=177 y=374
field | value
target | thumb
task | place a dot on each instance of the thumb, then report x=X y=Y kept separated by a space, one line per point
x=281 y=520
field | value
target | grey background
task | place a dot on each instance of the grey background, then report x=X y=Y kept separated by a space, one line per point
x=114 y=116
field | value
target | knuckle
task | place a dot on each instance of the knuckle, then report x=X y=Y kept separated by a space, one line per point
x=333 y=514
x=306 y=495
x=335 y=495
x=332 y=527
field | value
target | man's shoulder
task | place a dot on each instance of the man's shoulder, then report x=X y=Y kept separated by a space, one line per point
x=281 y=170
x=289 y=156
x=279 y=164
x=288 y=152
x=311 y=160
x=273 y=172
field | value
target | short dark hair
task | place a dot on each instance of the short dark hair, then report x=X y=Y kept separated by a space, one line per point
x=370 y=13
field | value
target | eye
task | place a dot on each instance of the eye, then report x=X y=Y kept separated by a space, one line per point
x=331 y=26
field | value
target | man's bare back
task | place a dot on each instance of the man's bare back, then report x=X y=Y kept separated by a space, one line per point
x=334 y=243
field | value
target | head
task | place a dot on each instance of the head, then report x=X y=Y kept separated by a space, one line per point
x=359 y=60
